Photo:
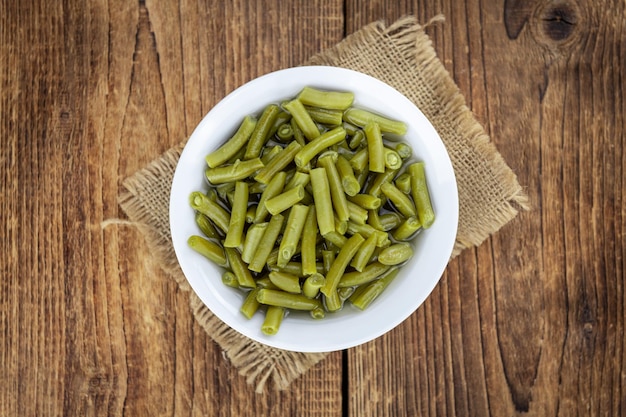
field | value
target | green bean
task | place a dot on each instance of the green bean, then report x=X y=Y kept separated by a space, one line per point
x=400 y=200
x=362 y=177
x=342 y=260
x=404 y=150
x=328 y=257
x=312 y=285
x=379 y=179
x=360 y=159
x=235 y=172
x=206 y=226
x=318 y=313
x=395 y=254
x=357 y=139
x=264 y=282
x=233 y=145
x=298 y=136
x=285 y=200
x=357 y=213
x=303 y=119
x=251 y=211
x=403 y=182
x=338 y=196
x=332 y=301
x=298 y=178
x=366 y=201
x=336 y=238
x=373 y=219
x=285 y=132
x=259 y=136
x=392 y=159
x=350 y=128
x=390 y=221
x=363 y=255
x=325 y=116
x=280 y=161
x=250 y=304
x=286 y=282
x=269 y=152
x=295 y=268
x=239 y=268
x=274 y=188
x=284 y=299
x=208 y=249
x=323 y=204
x=267 y=243
x=335 y=100
x=349 y=182
x=309 y=235
x=251 y=242
x=421 y=196
x=282 y=118
x=361 y=117
x=273 y=319
x=317 y=145
x=382 y=238
x=341 y=227
x=211 y=209
x=292 y=233
x=369 y=273
x=237 y=216
x=229 y=279
x=407 y=229
x=375 y=147
x=362 y=298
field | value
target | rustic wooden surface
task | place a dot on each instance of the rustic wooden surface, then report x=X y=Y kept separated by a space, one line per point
x=532 y=321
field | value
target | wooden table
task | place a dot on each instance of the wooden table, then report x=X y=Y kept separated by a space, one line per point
x=532 y=321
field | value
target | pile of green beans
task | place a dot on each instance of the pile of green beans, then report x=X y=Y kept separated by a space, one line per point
x=311 y=204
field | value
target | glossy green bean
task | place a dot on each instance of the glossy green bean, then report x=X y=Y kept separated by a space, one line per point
x=237 y=216
x=298 y=136
x=208 y=249
x=274 y=188
x=267 y=243
x=335 y=100
x=360 y=160
x=318 y=313
x=392 y=159
x=404 y=150
x=229 y=279
x=285 y=200
x=284 y=299
x=336 y=238
x=292 y=233
x=357 y=213
x=286 y=282
x=364 y=254
x=407 y=229
x=323 y=202
x=232 y=145
x=250 y=304
x=285 y=132
x=403 y=182
x=400 y=200
x=337 y=194
x=278 y=163
x=298 y=178
x=342 y=260
x=375 y=147
x=357 y=139
x=206 y=226
x=325 y=116
x=391 y=220
x=252 y=240
x=319 y=144
x=312 y=284
x=332 y=301
x=373 y=187
x=203 y=204
x=361 y=117
x=273 y=319
x=421 y=194
x=349 y=182
x=382 y=238
x=260 y=135
x=395 y=254
x=303 y=119
x=269 y=152
x=369 y=273
x=309 y=241
x=328 y=257
x=239 y=268
x=366 y=201
x=365 y=295
x=235 y=172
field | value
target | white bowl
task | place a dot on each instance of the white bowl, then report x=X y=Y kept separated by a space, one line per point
x=349 y=327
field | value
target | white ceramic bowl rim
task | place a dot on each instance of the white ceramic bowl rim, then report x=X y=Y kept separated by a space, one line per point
x=349 y=327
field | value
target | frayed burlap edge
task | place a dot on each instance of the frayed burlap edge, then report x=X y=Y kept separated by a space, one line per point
x=484 y=207
x=263 y=366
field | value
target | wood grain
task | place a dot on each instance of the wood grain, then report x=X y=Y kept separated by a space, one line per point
x=531 y=322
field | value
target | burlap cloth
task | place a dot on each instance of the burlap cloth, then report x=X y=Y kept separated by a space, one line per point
x=402 y=56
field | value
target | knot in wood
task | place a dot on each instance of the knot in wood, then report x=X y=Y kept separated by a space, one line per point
x=558 y=21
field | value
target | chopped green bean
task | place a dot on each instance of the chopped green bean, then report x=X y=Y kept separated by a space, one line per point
x=285 y=132
x=251 y=242
x=318 y=313
x=375 y=147
x=298 y=178
x=404 y=150
x=361 y=117
x=274 y=188
x=369 y=273
x=312 y=285
x=392 y=159
x=235 y=172
x=292 y=233
x=390 y=221
x=208 y=249
x=362 y=298
x=328 y=257
x=309 y=236
x=206 y=226
x=325 y=116
x=203 y=204
x=403 y=182
x=317 y=145
x=278 y=163
x=382 y=238
x=349 y=182
x=335 y=100
x=237 y=216
x=273 y=319
x=364 y=254
x=357 y=139
x=239 y=268
x=269 y=152
x=395 y=254
x=259 y=136
x=379 y=179
x=284 y=299
x=303 y=119
x=233 y=145
x=250 y=304
x=332 y=301
x=366 y=201
x=251 y=212
x=421 y=195
x=286 y=282
x=360 y=159
x=229 y=279
x=298 y=136
x=400 y=200
x=336 y=238
x=323 y=203
x=267 y=243
x=342 y=260
x=338 y=196
x=285 y=200
x=357 y=213
x=407 y=229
